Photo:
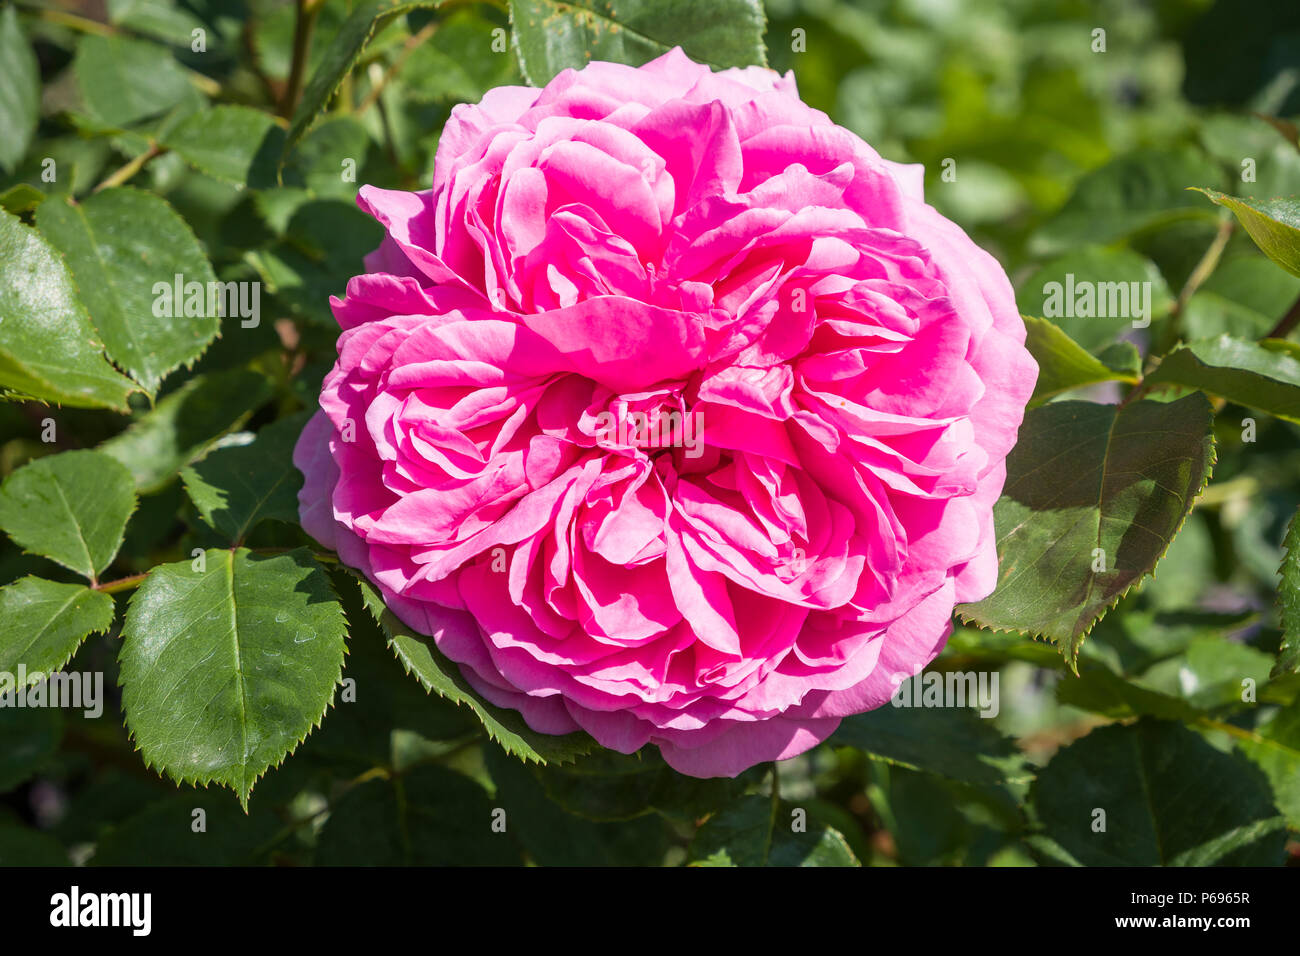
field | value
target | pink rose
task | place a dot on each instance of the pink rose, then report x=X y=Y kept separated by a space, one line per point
x=671 y=412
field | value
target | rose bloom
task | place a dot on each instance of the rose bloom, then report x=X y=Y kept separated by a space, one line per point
x=672 y=413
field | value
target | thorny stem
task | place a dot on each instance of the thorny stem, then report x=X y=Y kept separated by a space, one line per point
x=302 y=30
x=412 y=42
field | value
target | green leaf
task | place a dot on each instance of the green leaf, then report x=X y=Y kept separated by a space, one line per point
x=551 y=36
x=185 y=423
x=1059 y=291
x=123 y=80
x=1063 y=364
x=1084 y=477
x=610 y=786
x=554 y=837
x=954 y=742
x=236 y=486
x=119 y=244
x=1210 y=674
x=164 y=20
x=430 y=816
x=48 y=348
x=163 y=834
x=20 y=846
x=1288 y=602
x=70 y=507
x=1274 y=747
x=225 y=670
x=20 y=97
x=1170 y=799
x=1244 y=297
x=421 y=657
x=1139 y=191
x=1100 y=690
x=237 y=144
x=365 y=20
x=755 y=831
x=1274 y=224
x=1263 y=375
x=46 y=621
x=29 y=739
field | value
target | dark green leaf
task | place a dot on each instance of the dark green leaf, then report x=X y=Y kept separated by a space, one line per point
x=185 y=423
x=20 y=846
x=1169 y=798
x=236 y=486
x=953 y=742
x=755 y=832
x=430 y=816
x=1089 y=487
x=29 y=738
x=1275 y=748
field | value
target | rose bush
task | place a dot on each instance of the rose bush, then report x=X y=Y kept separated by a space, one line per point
x=603 y=270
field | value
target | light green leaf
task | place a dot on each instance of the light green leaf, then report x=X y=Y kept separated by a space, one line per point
x=120 y=244
x=185 y=423
x=954 y=742
x=439 y=675
x=1063 y=364
x=365 y=21
x=71 y=507
x=236 y=486
x=48 y=348
x=755 y=831
x=1170 y=799
x=1244 y=296
x=234 y=143
x=225 y=670
x=20 y=96
x=123 y=80
x=1263 y=375
x=1093 y=497
x=551 y=36
x=1274 y=224
x=21 y=198
x=1288 y=602
x=44 y=622
x=164 y=20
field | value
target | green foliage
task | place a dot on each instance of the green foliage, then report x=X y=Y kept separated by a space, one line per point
x=1164 y=329
x=551 y=36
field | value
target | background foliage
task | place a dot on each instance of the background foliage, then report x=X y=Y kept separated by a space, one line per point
x=136 y=444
